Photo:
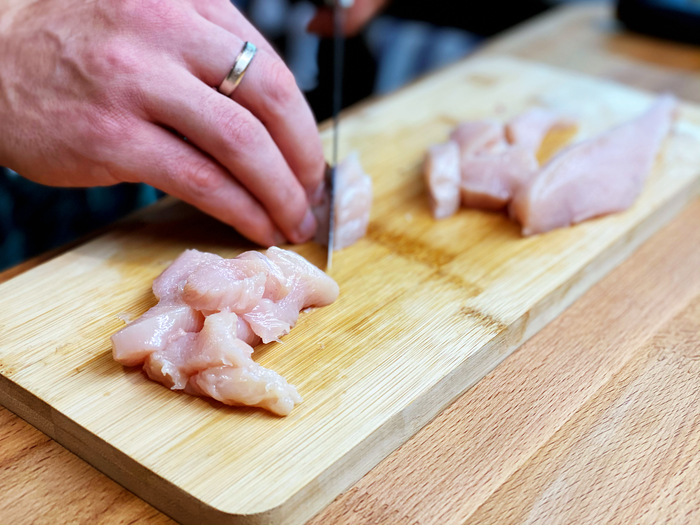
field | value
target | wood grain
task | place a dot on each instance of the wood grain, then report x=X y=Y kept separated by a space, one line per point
x=438 y=306
x=33 y=492
x=587 y=25
x=639 y=434
x=454 y=465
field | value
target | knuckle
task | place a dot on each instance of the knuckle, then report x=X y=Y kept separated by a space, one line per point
x=292 y=198
x=280 y=86
x=150 y=12
x=238 y=130
x=114 y=59
x=101 y=132
x=202 y=180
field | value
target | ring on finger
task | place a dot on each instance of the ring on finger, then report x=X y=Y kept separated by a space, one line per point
x=240 y=66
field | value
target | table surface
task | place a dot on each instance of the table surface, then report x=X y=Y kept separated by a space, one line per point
x=595 y=420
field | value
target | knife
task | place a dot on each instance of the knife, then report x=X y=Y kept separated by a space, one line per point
x=338 y=7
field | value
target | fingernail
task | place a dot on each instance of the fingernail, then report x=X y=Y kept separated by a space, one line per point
x=278 y=238
x=308 y=227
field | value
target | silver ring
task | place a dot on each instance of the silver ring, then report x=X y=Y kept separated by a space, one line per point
x=243 y=60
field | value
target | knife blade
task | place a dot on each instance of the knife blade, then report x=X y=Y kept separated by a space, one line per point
x=339 y=7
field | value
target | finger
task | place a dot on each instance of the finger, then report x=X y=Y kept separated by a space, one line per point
x=225 y=15
x=159 y=158
x=240 y=143
x=269 y=92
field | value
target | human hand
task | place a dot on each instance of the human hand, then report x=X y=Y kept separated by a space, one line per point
x=96 y=93
x=356 y=16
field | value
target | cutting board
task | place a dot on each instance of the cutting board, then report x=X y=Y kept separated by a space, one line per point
x=426 y=309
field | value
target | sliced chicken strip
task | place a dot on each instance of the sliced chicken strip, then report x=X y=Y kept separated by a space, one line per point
x=442 y=173
x=353 y=204
x=601 y=175
x=152 y=331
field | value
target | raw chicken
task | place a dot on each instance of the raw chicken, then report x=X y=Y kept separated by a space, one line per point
x=490 y=179
x=479 y=136
x=152 y=331
x=353 y=203
x=216 y=363
x=442 y=176
x=490 y=169
x=198 y=337
x=601 y=175
x=254 y=386
x=308 y=285
x=168 y=282
x=529 y=129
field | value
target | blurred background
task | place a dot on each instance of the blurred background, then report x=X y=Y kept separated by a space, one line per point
x=407 y=41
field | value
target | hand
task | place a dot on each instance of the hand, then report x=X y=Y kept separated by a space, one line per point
x=356 y=16
x=101 y=92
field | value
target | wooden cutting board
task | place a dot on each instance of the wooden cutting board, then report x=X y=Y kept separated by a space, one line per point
x=426 y=309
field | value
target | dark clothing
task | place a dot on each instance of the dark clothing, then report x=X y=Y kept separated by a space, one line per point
x=36 y=218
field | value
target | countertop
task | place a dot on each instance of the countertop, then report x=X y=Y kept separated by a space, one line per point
x=595 y=420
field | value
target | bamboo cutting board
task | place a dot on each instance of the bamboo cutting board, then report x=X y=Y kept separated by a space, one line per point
x=426 y=310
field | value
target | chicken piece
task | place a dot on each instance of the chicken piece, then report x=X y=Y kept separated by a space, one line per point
x=309 y=287
x=245 y=333
x=167 y=365
x=442 y=173
x=529 y=128
x=490 y=167
x=217 y=344
x=353 y=203
x=276 y=286
x=479 y=136
x=167 y=283
x=152 y=331
x=213 y=288
x=192 y=341
x=252 y=386
x=489 y=180
x=236 y=284
x=217 y=363
x=316 y=288
x=601 y=175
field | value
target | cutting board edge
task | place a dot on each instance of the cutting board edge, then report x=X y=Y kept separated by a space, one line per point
x=391 y=434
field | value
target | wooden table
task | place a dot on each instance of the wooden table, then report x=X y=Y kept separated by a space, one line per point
x=594 y=420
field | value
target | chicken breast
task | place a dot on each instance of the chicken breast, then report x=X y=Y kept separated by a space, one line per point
x=600 y=175
x=211 y=311
x=252 y=386
x=479 y=136
x=167 y=283
x=213 y=358
x=441 y=170
x=491 y=168
x=153 y=330
x=490 y=179
x=309 y=286
x=353 y=204
x=495 y=160
x=528 y=129
x=167 y=365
